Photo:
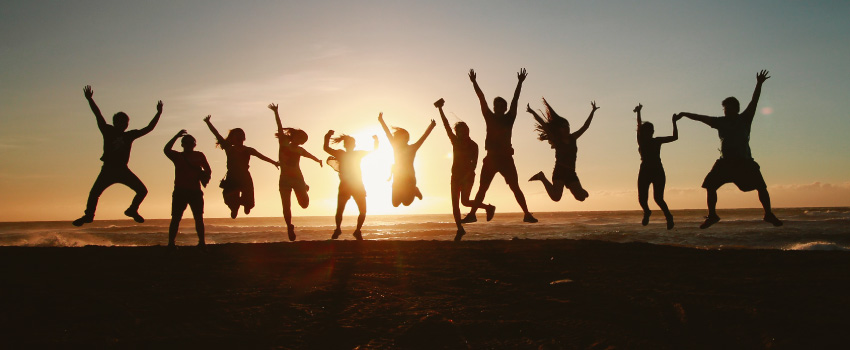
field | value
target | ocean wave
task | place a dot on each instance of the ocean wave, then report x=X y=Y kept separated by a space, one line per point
x=817 y=246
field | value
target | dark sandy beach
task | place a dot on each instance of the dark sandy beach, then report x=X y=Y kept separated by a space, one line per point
x=557 y=294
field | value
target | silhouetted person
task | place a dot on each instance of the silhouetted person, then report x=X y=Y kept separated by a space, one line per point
x=403 y=174
x=651 y=170
x=464 y=161
x=291 y=179
x=350 y=178
x=500 y=152
x=736 y=163
x=191 y=170
x=117 y=142
x=237 y=186
x=556 y=130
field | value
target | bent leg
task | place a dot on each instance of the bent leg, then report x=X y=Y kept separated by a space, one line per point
x=133 y=182
x=554 y=191
x=487 y=174
x=510 y=175
x=302 y=197
x=103 y=181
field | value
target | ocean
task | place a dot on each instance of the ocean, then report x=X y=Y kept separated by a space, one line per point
x=804 y=229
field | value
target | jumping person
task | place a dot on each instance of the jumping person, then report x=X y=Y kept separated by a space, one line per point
x=556 y=130
x=350 y=178
x=464 y=161
x=117 y=142
x=736 y=162
x=291 y=179
x=651 y=170
x=191 y=170
x=237 y=186
x=499 y=157
x=403 y=174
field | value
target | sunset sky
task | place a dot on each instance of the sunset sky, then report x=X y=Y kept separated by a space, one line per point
x=337 y=64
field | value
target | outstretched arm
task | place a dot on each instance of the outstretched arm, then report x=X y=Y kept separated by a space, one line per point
x=481 y=99
x=89 y=93
x=425 y=135
x=520 y=78
x=155 y=119
x=586 y=125
x=760 y=79
x=273 y=107
x=439 y=105
x=535 y=115
x=221 y=140
x=675 y=136
x=170 y=144
x=384 y=126
x=310 y=156
x=698 y=117
x=257 y=154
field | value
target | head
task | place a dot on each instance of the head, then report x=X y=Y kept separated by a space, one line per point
x=462 y=130
x=646 y=130
x=400 y=135
x=348 y=142
x=554 y=127
x=188 y=142
x=121 y=121
x=500 y=106
x=731 y=107
x=296 y=136
x=235 y=136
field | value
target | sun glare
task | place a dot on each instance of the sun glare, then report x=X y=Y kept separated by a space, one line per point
x=376 y=170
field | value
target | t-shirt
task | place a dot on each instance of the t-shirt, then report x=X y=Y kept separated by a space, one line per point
x=117 y=145
x=349 y=166
x=734 y=134
x=566 y=151
x=465 y=156
x=188 y=169
x=499 y=132
x=650 y=150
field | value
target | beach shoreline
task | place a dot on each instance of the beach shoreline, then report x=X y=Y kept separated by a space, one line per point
x=525 y=294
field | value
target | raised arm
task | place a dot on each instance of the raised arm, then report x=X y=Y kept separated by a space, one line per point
x=89 y=93
x=257 y=154
x=155 y=120
x=169 y=146
x=425 y=135
x=520 y=78
x=534 y=114
x=221 y=140
x=273 y=107
x=384 y=126
x=760 y=79
x=439 y=104
x=327 y=144
x=481 y=99
x=675 y=136
x=375 y=143
x=586 y=125
x=639 y=121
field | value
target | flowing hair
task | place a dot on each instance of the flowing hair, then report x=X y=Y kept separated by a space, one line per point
x=341 y=138
x=547 y=129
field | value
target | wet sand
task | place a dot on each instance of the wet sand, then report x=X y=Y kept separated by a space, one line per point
x=521 y=294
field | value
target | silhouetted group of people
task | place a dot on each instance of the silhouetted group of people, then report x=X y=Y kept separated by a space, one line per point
x=192 y=171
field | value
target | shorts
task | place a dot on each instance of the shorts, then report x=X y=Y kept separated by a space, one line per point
x=501 y=163
x=744 y=173
x=352 y=190
x=181 y=198
x=567 y=175
x=295 y=182
x=651 y=172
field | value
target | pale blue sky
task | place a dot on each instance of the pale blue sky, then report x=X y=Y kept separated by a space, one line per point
x=337 y=64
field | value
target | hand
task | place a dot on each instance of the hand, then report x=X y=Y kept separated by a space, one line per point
x=521 y=75
x=320 y=163
x=472 y=76
x=381 y=116
x=329 y=134
x=207 y=118
x=276 y=165
x=440 y=103
x=88 y=91
x=638 y=108
x=593 y=104
x=273 y=107
x=375 y=137
x=762 y=76
x=433 y=123
x=676 y=117
x=528 y=108
x=181 y=133
x=159 y=106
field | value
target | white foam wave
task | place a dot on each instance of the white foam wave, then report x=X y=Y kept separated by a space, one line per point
x=817 y=246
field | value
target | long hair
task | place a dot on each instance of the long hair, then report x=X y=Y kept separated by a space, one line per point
x=548 y=130
x=341 y=138
x=296 y=136
x=233 y=135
